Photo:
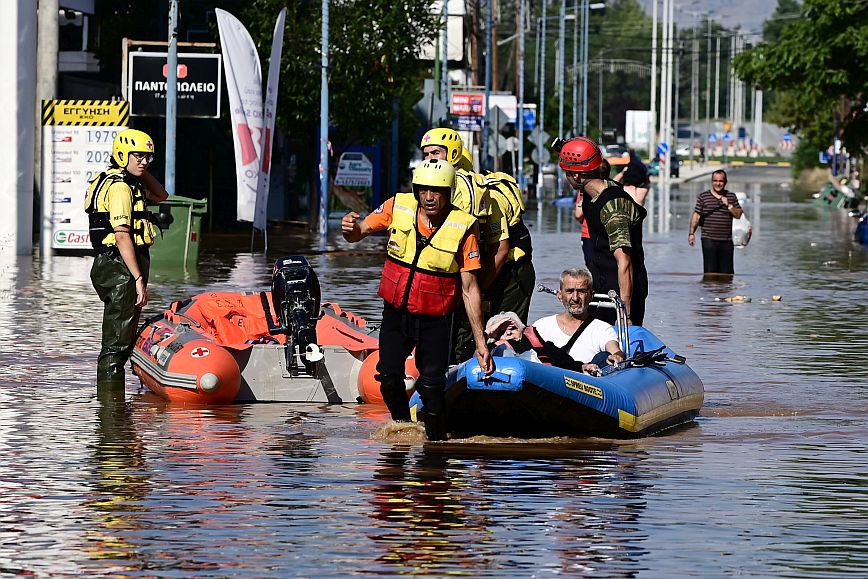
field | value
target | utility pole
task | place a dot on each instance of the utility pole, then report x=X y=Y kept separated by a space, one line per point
x=585 y=15
x=652 y=132
x=707 y=86
x=519 y=115
x=171 y=96
x=324 y=129
x=542 y=101
x=575 y=68
x=562 y=35
x=486 y=118
x=46 y=89
x=717 y=78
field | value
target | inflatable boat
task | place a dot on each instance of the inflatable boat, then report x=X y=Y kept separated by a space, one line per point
x=271 y=346
x=652 y=390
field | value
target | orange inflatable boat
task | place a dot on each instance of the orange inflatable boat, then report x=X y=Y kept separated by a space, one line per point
x=271 y=346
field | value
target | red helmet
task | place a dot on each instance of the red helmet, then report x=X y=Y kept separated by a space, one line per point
x=580 y=155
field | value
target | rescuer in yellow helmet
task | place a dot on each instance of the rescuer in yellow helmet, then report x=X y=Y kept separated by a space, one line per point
x=121 y=231
x=431 y=269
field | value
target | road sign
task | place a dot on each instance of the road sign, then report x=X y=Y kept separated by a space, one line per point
x=430 y=106
x=663 y=148
x=354 y=170
x=535 y=134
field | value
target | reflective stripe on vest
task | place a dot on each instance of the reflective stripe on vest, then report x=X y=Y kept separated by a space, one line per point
x=142 y=229
x=422 y=274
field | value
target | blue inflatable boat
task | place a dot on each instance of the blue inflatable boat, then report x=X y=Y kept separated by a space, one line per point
x=654 y=389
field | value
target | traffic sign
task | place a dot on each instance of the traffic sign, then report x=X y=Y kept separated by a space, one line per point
x=535 y=135
x=663 y=148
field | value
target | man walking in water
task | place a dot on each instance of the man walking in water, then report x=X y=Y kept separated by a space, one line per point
x=714 y=212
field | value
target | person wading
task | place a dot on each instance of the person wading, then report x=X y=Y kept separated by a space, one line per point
x=432 y=265
x=121 y=231
x=615 y=226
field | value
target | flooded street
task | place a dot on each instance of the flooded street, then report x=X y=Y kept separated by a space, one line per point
x=771 y=480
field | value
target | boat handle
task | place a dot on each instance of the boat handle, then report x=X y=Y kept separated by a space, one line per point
x=494 y=377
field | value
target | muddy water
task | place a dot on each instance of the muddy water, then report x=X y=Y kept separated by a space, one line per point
x=769 y=481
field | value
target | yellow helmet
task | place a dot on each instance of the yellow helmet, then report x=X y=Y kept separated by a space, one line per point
x=130 y=141
x=434 y=173
x=448 y=138
x=465 y=161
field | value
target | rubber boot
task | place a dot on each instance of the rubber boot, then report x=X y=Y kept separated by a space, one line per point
x=434 y=402
x=394 y=394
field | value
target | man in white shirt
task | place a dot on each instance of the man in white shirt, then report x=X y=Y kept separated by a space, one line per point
x=573 y=330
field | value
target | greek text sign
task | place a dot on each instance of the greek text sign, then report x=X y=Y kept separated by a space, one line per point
x=198 y=84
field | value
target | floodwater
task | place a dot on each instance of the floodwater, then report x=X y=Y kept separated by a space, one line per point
x=770 y=481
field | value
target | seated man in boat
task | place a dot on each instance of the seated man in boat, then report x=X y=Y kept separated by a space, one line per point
x=507 y=334
x=573 y=330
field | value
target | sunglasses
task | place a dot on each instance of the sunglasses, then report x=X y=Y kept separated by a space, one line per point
x=143 y=157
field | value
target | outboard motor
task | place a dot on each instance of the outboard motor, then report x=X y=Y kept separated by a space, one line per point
x=296 y=294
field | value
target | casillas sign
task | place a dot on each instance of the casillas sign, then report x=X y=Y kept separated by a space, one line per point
x=198 y=84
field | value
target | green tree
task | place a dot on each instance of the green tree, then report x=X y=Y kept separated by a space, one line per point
x=821 y=60
x=374 y=58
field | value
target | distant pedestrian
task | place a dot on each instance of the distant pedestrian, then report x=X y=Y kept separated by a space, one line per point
x=715 y=209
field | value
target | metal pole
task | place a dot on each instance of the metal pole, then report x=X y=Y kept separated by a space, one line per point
x=652 y=132
x=575 y=68
x=324 y=129
x=542 y=90
x=486 y=119
x=586 y=13
x=758 y=120
x=444 y=63
x=707 y=87
x=562 y=35
x=171 y=96
x=717 y=78
x=46 y=89
x=519 y=117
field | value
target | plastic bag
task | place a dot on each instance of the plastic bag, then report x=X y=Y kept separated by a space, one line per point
x=741 y=231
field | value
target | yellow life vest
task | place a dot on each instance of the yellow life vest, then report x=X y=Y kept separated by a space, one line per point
x=102 y=234
x=423 y=274
x=471 y=194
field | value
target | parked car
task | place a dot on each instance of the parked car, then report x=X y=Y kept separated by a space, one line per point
x=674 y=169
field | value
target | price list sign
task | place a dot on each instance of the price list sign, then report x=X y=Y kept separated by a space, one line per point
x=77 y=137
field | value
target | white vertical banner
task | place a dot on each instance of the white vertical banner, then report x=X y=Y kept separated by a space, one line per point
x=244 y=85
x=259 y=221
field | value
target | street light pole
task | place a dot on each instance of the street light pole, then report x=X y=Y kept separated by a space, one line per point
x=519 y=116
x=486 y=119
x=562 y=34
x=652 y=132
x=542 y=99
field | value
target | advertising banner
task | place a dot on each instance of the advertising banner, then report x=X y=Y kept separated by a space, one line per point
x=77 y=139
x=260 y=214
x=244 y=85
x=198 y=84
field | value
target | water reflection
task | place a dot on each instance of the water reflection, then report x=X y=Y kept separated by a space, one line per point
x=118 y=480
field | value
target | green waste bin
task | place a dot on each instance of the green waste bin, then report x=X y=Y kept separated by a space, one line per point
x=181 y=220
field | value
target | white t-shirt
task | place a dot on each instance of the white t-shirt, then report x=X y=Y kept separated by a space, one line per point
x=592 y=341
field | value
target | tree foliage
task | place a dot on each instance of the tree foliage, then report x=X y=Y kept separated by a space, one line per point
x=374 y=47
x=821 y=60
